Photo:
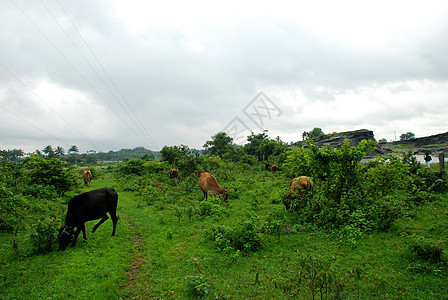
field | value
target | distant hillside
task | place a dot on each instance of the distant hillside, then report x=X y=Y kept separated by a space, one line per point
x=436 y=143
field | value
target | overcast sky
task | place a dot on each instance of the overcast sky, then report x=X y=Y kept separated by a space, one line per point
x=106 y=75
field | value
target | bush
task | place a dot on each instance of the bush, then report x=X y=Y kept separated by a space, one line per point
x=53 y=172
x=41 y=191
x=43 y=235
x=244 y=237
x=131 y=166
x=209 y=208
x=11 y=209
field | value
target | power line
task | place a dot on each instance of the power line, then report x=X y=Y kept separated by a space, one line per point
x=74 y=68
x=35 y=126
x=141 y=127
x=37 y=96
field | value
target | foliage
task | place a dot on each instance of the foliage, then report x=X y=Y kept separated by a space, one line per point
x=11 y=155
x=316 y=277
x=51 y=172
x=43 y=235
x=314 y=134
x=220 y=144
x=243 y=237
x=407 y=136
x=426 y=250
x=263 y=147
x=11 y=209
x=181 y=157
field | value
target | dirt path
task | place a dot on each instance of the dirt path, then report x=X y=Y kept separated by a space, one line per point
x=138 y=258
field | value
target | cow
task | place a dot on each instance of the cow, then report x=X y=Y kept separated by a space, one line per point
x=87 y=175
x=174 y=173
x=299 y=185
x=88 y=206
x=274 y=168
x=303 y=181
x=267 y=166
x=209 y=185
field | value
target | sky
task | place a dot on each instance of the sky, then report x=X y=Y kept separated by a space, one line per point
x=107 y=75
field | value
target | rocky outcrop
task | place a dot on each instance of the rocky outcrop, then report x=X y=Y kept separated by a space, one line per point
x=436 y=142
x=336 y=140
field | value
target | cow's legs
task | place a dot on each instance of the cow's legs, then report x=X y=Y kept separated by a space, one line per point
x=78 y=230
x=83 y=229
x=103 y=219
x=114 y=217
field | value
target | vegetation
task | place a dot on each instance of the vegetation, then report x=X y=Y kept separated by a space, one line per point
x=407 y=136
x=374 y=229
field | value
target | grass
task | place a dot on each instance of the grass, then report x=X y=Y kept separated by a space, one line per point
x=180 y=262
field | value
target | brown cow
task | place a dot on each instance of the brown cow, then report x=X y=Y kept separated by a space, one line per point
x=209 y=185
x=174 y=173
x=274 y=168
x=299 y=184
x=87 y=175
x=305 y=182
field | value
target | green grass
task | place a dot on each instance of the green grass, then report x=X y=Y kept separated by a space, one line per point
x=177 y=251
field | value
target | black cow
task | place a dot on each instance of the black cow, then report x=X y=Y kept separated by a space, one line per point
x=88 y=206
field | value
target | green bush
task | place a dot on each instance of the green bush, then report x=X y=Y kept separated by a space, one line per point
x=210 y=208
x=43 y=235
x=41 y=191
x=52 y=172
x=11 y=209
x=244 y=237
x=131 y=166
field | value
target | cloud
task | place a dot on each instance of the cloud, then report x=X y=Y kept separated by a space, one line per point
x=184 y=74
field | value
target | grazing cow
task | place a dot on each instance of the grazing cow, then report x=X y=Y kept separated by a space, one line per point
x=87 y=175
x=274 y=168
x=174 y=173
x=209 y=185
x=267 y=166
x=299 y=184
x=88 y=206
x=302 y=181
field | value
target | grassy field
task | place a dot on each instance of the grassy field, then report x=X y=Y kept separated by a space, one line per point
x=163 y=249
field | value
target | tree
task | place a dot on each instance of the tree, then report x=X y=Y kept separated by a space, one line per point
x=49 y=151
x=52 y=172
x=382 y=141
x=59 y=151
x=407 y=136
x=255 y=142
x=73 y=149
x=221 y=143
x=11 y=155
x=313 y=134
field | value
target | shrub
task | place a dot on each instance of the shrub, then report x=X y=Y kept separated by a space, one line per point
x=197 y=286
x=131 y=166
x=43 y=235
x=11 y=208
x=209 y=208
x=244 y=236
x=41 y=191
x=52 y=172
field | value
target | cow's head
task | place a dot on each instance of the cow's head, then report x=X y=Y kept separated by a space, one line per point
x=223 y=196
x=65 y=236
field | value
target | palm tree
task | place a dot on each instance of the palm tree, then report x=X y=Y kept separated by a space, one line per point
x=73 y=149
x=49 y=151
x=59 y=151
